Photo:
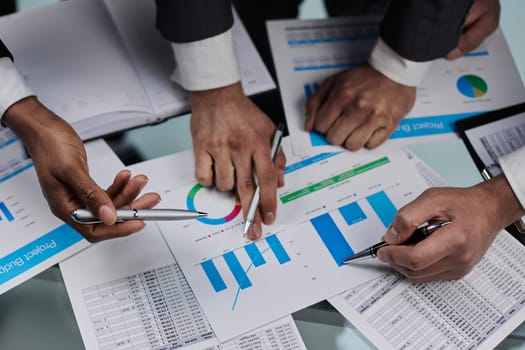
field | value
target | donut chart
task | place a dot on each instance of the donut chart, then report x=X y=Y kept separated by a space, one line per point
x=472 y=86
x=190 y=204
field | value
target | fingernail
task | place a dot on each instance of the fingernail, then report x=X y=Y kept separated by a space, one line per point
x=382 y=256
x=391 y=235
x=269 y=218
x=106 y=215
x=146 y=179
x=254 y=232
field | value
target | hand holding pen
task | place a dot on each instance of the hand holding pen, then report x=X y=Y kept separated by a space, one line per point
x=422 y=232
x=276 y=143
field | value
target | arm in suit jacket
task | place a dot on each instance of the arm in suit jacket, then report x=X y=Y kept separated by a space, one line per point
x=423 y=30
x=183 y=21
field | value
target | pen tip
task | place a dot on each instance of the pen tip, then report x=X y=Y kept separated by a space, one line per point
x=201 y=213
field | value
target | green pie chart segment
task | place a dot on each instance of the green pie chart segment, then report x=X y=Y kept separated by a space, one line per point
x=472 y=86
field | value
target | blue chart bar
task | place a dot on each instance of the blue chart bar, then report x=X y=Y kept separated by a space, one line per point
x=308 y=90
x=332 y=238
x=352 y=213
x=237 y=270
x=383 y=207
x=7 y=213
x=255 y=254
x=277 y=249
x=213 y=275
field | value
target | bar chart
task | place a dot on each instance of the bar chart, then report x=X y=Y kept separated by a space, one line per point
x=332 y=234
x=253 y=255
x=5 y=213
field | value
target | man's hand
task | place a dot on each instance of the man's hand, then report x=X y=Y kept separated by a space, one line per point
x=232 y=141
x=61 y=165
x=477 y=214
x=358 y=108
x=481 y=21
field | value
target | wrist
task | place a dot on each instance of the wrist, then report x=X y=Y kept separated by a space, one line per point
x=506 y=206
x=30 y=120
x=217 y=96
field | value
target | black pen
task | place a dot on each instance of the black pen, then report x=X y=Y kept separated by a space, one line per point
x=419 y=234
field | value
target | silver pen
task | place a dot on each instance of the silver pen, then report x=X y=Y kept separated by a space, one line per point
x=277 y=137
x=84 y=216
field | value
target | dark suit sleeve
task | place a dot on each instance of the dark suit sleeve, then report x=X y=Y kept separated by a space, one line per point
x=4 y=52
x=423 y=30
x=183 y=21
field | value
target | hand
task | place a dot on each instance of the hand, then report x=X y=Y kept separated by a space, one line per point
x=481 y=21
x=477 y=214
x=62 y=170
x=358 y=108
x=231 y=139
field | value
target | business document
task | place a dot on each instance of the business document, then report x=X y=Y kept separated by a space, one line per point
x=306 y=52
x=331 y=206
x=32 y=238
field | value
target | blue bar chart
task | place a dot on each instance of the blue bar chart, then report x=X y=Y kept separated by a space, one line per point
x=254 y=256
x=332 y=234
x=5 y=213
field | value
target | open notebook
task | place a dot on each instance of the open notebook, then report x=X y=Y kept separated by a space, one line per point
x=103 y=66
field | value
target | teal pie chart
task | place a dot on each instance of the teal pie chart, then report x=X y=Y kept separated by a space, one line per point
x=472 y=86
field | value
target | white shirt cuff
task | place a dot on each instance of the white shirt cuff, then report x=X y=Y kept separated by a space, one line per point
x=206 y=64
x=396 y=68
x=513 y=166
x=12 y=86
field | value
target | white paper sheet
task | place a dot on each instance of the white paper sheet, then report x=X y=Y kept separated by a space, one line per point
x=294 y=265
x=306 y=52
x=475 y=312
x=130 y=293
x=32 y=238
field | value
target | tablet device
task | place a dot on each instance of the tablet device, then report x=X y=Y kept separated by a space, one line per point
x=491 y=135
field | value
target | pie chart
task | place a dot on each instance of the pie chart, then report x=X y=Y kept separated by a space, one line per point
x=472 y=86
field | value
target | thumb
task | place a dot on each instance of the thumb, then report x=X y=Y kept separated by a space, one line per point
x=95 y=199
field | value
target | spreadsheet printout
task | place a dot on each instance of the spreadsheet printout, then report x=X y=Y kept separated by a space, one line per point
x=475 y=312
x=130 y=293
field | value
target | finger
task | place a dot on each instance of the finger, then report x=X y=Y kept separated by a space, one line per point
x=314 y=102
x=378 y=137
x=120 y=181
x=91 y=196
x=410 y=216
x=267 y=176
x=328 y=112
x=342 y=131
x=130 y=191
x=147 y=200
x=477 y=28
x=224 y=169
x=203 y=168
x=245 y=189
x=442 y=270
x=421 y=256
x=102 y=232
x=280 y=164
x=99 y=232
